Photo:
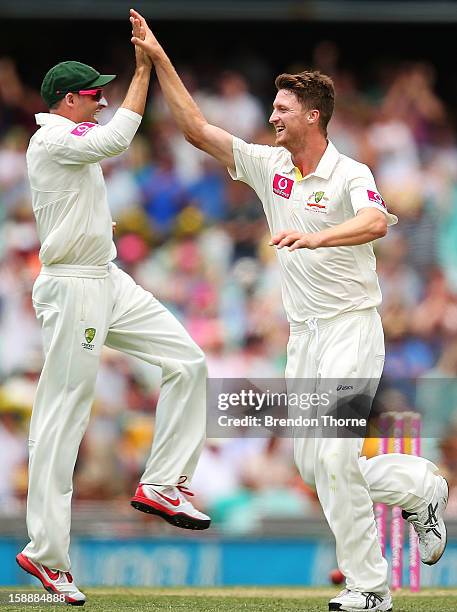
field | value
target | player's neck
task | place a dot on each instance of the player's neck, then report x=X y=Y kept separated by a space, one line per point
x=308 y=156
x=63 y=113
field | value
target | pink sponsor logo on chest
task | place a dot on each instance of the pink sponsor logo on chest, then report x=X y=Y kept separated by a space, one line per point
x=82 y=128
x=282 y=186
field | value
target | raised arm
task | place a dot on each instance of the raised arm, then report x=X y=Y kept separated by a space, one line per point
x=188 y=116
x=89 y=142
x=135 y=99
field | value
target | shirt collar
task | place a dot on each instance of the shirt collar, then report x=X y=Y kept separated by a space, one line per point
x=46 y=118
x=325 y=166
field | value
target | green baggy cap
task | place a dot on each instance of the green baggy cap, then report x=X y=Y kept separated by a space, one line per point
x=71 y=76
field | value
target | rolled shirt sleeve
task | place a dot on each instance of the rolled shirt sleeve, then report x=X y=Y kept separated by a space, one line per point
x=87 y=143
x=364 y=193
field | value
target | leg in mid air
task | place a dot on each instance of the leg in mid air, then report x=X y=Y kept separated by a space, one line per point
x=142 y=327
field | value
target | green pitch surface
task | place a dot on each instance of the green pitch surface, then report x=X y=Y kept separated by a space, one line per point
x=233 y=600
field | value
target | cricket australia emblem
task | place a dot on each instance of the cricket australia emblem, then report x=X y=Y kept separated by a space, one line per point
x=317 y=201
x=89 y=335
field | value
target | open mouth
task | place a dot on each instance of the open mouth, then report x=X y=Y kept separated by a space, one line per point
x=280 y=129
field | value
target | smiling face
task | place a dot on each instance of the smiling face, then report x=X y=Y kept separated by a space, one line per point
x=290 y=120
x=81 y=108
x=87 y=108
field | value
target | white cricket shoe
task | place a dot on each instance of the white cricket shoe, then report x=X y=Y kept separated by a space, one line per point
x=54 y=581
x=429 y=525
x=171 y=504
x=354 y=601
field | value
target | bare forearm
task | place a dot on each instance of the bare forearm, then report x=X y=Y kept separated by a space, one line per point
x=214 y=140
x=185 y=112
x=366 y=226
x=358 y=230
x=135 y=100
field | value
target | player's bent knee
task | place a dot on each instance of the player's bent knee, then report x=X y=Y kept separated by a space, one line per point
x=194 y=361
x=199 y=363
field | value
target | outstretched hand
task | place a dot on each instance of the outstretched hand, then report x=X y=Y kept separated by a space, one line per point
x=138 y=33
x=143 y=38
x=295 y=240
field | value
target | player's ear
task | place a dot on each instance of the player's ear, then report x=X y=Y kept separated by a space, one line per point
x=312 y=116
x=70 y=99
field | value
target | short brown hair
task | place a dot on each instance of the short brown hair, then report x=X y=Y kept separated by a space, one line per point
x=313 y=90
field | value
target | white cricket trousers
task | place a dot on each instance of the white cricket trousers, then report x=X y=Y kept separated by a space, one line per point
x=81 y=309
x=352 y=346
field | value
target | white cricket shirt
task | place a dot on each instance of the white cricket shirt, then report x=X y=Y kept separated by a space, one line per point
x=68 y=188
x=328 y=281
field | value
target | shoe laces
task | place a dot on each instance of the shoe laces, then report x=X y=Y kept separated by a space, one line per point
x=430 y=524
x=69 y=576
x=63 y=575
x=182 y=488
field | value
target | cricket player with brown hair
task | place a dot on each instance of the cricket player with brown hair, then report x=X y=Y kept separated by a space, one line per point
x=83 y=301
x=324 y=211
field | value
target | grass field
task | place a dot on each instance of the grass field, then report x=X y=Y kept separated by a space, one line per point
x=234 y=600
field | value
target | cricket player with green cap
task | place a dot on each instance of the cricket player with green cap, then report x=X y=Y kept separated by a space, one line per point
x=83 y=301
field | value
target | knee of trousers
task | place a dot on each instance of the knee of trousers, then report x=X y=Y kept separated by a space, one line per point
x=192 y=364
x=197 y=362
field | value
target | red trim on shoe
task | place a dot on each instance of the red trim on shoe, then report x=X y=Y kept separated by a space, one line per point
x=142 y=497
x=173 y=502
x=149 y=502
x=29 y=566
x=176 y=518
x=52 y=575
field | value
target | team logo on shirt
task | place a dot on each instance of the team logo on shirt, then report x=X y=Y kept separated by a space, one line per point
x=82 y=128
x=89 y=334
x=317 y=201
x=282 y=186
x=376 y=198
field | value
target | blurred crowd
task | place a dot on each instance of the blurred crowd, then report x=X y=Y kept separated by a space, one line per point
x=199 y=242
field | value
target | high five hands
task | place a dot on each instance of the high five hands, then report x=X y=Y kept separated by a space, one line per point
x=138 y=35
x=143 y=38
